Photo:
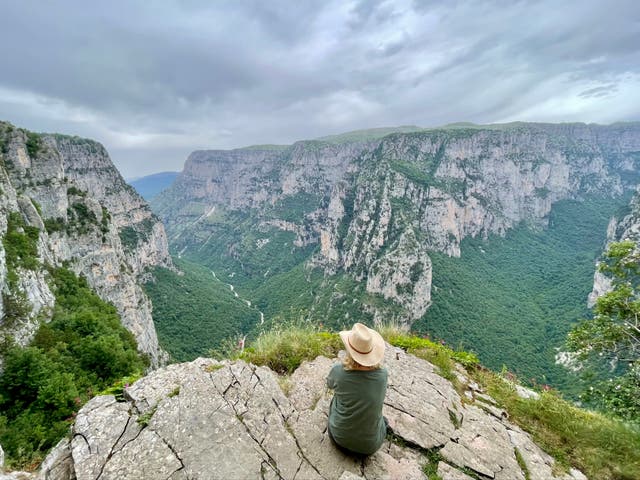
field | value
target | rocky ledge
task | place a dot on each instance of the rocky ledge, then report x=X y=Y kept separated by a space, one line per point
x=233 y=420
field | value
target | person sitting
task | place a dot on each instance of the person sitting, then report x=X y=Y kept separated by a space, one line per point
x=356 y=423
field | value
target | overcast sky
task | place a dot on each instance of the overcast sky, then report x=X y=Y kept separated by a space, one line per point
x=155 y=80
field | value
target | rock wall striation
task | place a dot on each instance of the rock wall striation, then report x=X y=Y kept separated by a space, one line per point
x=87 y=218
x=377 y=207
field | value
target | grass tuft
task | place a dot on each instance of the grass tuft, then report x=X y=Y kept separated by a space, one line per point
x=430 y=468
x=213 y=367
x=145 y=418
x=285 y=347
x=599 y=446
x=523 y=465
x=119 y=387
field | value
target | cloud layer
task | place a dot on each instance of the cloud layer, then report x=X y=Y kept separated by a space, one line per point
x=154 y=81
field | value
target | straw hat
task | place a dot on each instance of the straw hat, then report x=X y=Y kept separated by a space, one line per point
x=364 y=344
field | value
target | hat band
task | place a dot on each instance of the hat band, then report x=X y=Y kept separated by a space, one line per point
x=361 y=353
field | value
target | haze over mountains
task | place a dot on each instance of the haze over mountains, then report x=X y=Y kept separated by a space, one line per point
x=150 y=185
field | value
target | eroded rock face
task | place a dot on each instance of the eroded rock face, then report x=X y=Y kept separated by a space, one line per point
x=88 y=218
x=232 y=420
x=369 y=200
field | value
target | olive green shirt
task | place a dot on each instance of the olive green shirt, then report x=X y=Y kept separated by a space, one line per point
x=355 y=415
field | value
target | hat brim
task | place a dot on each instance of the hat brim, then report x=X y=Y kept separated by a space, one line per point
x=370 y=359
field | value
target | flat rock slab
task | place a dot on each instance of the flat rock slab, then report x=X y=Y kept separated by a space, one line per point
x=232 y=420
x=447 y=472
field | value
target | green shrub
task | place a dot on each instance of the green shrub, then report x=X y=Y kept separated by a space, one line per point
x=441 y=356
x=73 y=190
x=52 y=225
x=16 y=308
x=104 y=222
x=33 y=144
x=117 y=389
x=128 y=237
x=20 y=243
x=80 y=218
x=37 y=206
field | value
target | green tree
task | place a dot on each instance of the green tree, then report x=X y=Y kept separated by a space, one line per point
x=612 y=336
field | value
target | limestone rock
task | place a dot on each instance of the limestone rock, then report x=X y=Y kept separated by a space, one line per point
x=420 y=404
x=16 y=476
x=447 y=472
x=59 y=463
x=350 y=476
x=207 y=419
x=378 y=206
x=619 y=229
x=110 y=236
x=483 y=445
x=309 y=384
x=526 y=393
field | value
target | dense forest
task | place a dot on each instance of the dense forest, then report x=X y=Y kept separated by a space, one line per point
x=195 y=312
x=513 y=299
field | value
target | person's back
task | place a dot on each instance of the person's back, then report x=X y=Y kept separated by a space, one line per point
x=355 y=415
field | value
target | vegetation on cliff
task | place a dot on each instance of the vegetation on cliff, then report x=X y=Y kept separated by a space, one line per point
x=194 y=312
x=612 y=336
x=513 y=299
x=509 y=299
x=83 y=350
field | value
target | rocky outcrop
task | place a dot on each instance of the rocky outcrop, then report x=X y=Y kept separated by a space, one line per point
x=364 y=202
x=207 y=419
x=87 y=218
x=626 y=226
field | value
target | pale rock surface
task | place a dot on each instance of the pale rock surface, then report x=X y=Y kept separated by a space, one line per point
x=526 y=393
x=447 y=472
x=482 y=444
x=232 y=420
x=67 y=172
x=16 y=476
x=59 y=462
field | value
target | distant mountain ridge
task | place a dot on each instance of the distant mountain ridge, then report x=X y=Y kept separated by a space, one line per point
x=374 y=208
x=149 y=186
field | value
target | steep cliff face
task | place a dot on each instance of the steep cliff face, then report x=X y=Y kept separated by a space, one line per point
x=375 y=208
x=65 y=194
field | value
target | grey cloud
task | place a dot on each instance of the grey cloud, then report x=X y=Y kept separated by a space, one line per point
x=597 y=92
x=157 y=80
